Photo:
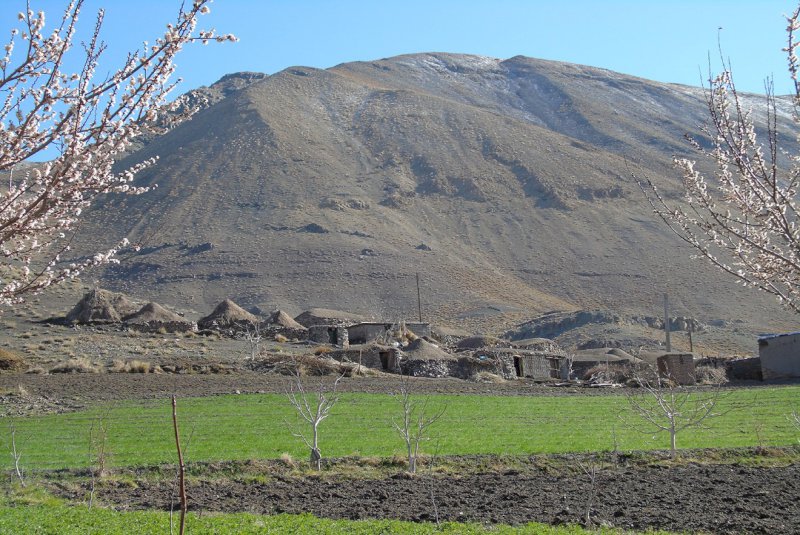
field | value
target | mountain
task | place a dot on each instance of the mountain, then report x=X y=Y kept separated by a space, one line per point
x=503 y=183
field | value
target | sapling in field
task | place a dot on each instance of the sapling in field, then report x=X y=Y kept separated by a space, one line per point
x=414 y=423
x=252 y=336
x=98 y=454
x=15 y=454
x=661 y=405
x=313 y=408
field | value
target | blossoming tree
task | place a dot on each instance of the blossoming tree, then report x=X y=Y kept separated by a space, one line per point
x=745 y=222
x=87 y=121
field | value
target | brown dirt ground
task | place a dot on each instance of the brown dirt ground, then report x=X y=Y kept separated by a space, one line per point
x=710 y=498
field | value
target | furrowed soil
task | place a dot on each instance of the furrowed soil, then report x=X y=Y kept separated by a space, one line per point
x=694 y=497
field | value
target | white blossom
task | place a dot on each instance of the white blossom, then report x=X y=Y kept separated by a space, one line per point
x=90 y=121
x=743 y=221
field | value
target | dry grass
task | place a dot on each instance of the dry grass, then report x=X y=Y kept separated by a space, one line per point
x=302 y=365
x=77 y=365
x=131 y=366
x=708 y=375
x=321 y=350
x=281 y=339
x=287 y=460
x=10 y=361
x=487 y=377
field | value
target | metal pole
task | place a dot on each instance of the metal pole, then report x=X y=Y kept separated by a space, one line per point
x=666 y=323
x=419 y=300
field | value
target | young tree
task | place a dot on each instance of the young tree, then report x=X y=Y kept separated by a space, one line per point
x=746 y=221
x=415 y=423
x=88 y=120
x=663 y=406
x=313 y=409
x=252 y=335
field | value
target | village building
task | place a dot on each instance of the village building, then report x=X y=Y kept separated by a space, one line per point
x=780 y=355
x=366 y=332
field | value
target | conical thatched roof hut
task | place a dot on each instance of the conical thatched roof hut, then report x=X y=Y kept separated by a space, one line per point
x=282 y=319
x=154 y=312
x=227 y=314
x=102 y=306
x=421 y=349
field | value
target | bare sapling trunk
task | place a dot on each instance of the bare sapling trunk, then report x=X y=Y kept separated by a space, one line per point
x=414 y=424
x=312 y=408
x=181 y=467
x=590 y=470
x=16 y=455
x=661 y=405
x=253 y=337
x=98 y=455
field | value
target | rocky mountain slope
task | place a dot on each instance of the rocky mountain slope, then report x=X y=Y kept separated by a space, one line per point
x=503 y=183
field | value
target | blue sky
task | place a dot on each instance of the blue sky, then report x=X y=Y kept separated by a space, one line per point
x=660 y=40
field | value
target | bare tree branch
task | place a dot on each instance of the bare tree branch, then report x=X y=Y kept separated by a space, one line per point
x=745 y=221
x=661 y=405
x=89 y=121
x=312 y=408
x=415 y=422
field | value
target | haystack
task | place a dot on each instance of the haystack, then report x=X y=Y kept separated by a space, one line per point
x=153 y=312
x=227 y=314
x=282 y=319
x=423 y=359
x=102 y=306
x=421 y=349
x=324 y=316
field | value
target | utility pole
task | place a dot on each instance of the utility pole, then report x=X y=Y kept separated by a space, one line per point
x=419 y=299
x=666 y=322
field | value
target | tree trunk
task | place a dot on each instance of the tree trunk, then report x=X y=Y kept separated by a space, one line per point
x=672 y=436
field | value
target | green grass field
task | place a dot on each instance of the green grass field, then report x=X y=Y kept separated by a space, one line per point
x=66 y=520
x=257 y=427
x=32 y=511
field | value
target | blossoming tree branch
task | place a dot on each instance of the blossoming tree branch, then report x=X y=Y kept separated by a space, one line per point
x=746 y=220
x=88 y=121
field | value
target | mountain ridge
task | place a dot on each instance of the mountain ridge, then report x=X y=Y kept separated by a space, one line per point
x=502 y=182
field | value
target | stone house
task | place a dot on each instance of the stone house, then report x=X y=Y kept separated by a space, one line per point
x=366 y=332
x=780 y=355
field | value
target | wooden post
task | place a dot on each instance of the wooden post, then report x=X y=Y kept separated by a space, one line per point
x=419 y=299
x=666 y=323
x=181 y=466
x=691 y=345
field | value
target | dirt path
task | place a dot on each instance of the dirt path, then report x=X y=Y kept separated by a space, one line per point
x=707 y=498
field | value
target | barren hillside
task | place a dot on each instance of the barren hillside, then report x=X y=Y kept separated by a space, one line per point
x=503 y=183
